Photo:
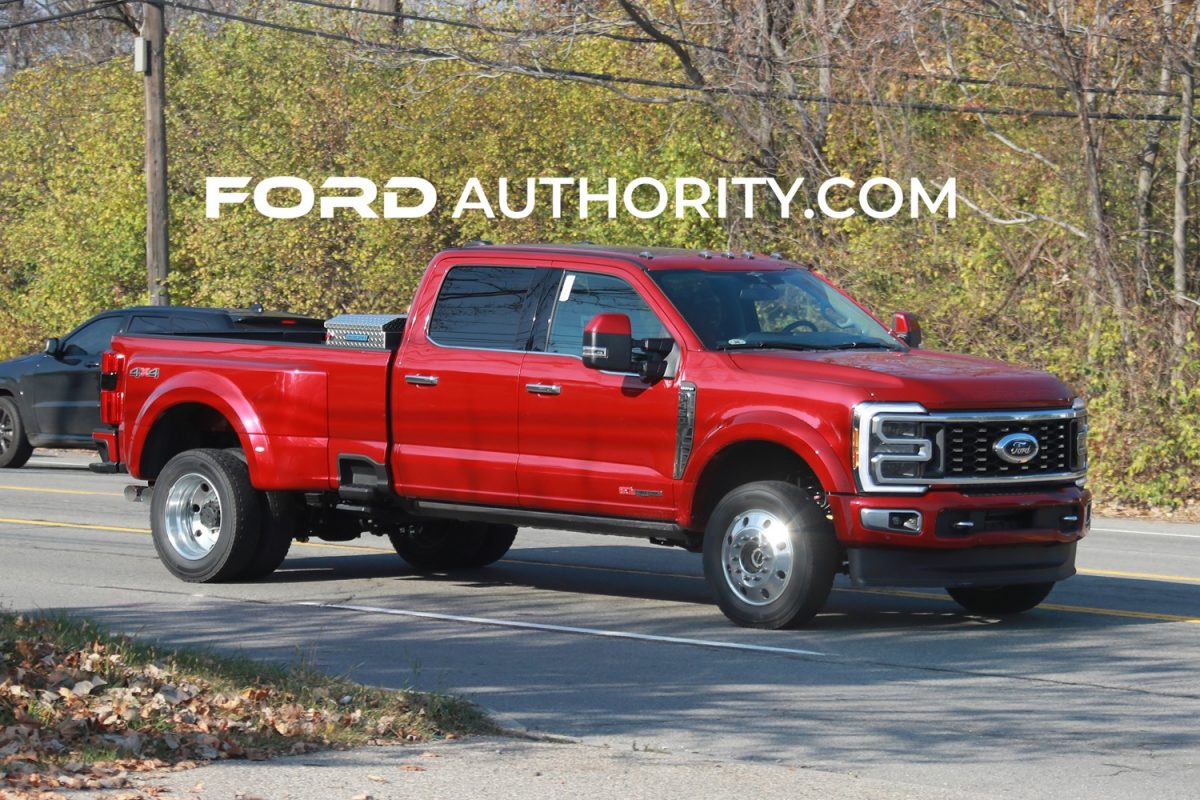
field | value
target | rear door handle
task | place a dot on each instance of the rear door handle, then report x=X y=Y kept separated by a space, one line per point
x=421 y=380
x=543 y=388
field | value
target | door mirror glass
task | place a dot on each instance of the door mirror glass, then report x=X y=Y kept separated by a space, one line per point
x=53 y=347
x=608 y=344
x=907 y=327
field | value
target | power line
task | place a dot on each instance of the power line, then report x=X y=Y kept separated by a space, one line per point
x=58 y=17
x=728 y=52
x=558 y=73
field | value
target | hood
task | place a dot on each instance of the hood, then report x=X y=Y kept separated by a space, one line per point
x=13 y=367
x=935 y=380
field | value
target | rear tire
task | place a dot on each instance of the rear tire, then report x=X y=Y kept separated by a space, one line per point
x=205 y=516
x=14 y=445
x=1001 y=600
x=451 y=544
x=280 y=514
x=770 y=555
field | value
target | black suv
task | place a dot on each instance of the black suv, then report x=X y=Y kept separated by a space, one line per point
x=52 y=399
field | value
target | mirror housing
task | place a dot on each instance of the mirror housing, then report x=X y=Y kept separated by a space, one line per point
x=608 y=343
x=907 y=327
x=53 y=347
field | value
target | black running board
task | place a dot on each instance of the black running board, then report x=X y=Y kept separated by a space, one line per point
x=526 y=518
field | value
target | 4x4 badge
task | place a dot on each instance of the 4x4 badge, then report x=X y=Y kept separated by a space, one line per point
x=1016 y=448
x=140 y=372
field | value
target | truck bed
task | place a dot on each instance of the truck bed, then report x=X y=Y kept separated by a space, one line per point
x=297 y=404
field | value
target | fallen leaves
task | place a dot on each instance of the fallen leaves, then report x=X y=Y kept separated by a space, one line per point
x=87 y=716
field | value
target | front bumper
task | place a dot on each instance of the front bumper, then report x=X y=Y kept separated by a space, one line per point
x=965 y=538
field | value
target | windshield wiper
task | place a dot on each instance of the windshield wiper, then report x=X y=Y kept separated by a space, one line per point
x=858 y=344
x=765 y=345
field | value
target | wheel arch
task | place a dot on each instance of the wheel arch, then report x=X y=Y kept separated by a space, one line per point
x=184 y=426
x=758 y=449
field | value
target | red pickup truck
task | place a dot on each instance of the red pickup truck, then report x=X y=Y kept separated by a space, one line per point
x=736 y=405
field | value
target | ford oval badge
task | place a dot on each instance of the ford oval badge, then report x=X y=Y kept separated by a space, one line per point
x=1016 y=448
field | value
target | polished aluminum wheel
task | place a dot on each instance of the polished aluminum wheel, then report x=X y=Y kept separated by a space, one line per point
x=757 y=557
x=192 y=516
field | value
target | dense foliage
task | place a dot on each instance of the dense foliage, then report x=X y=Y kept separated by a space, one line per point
x=248 y=101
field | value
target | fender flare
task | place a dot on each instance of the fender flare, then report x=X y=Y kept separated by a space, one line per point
x=786 y=430
x=213 y=391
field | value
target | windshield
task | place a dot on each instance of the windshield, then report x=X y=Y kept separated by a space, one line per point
x=790 y=309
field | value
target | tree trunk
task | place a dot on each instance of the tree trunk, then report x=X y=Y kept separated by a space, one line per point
x=1182 y=315
x=1147 y=161
x=12 y=50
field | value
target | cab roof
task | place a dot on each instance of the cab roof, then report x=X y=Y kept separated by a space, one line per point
x=651 y=258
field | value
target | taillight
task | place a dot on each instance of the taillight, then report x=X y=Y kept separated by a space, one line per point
x=112 y=366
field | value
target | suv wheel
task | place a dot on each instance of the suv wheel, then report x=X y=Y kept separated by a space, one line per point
x=14 y=446
x=770 y=555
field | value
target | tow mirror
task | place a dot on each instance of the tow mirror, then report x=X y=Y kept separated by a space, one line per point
x=907 y=327
x=608 y=343
x=53 y=347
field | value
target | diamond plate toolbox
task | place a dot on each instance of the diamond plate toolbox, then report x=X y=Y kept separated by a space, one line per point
x=365 y=331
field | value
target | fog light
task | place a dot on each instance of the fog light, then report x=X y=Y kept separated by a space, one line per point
x=900 y=520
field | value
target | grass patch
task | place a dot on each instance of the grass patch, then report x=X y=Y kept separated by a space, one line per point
x=81 y=708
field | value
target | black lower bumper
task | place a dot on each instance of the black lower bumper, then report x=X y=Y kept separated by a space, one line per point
x=972 y=566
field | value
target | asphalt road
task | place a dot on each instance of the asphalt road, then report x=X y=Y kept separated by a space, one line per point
x=615 y=642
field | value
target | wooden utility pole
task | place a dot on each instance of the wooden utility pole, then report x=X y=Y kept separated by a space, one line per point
x=154 y=32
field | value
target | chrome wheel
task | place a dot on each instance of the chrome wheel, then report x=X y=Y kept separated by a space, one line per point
x=192 y=516
x=757 y=557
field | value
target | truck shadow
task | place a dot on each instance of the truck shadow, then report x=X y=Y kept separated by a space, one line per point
x=1084 y=601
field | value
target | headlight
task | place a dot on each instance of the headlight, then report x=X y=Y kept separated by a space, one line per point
x=1081 y=431
x=892 y=445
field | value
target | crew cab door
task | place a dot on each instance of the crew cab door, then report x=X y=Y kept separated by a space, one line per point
x=594 y=442
x=454 y=389
x=64 y=388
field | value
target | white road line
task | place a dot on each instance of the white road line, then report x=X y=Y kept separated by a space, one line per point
x=541 y=626
x=1148 y=533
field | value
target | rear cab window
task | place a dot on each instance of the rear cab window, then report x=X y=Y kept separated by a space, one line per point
x=484 y=307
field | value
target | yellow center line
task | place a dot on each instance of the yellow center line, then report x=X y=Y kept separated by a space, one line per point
x=43 y=490
x=1153 y=576
x=75 y=525
x=1106 y=612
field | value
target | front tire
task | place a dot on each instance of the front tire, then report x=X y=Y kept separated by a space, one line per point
x=770 y=555
x=14 y=445
x=205 y=516
x=451 y=544
x=1001 y=600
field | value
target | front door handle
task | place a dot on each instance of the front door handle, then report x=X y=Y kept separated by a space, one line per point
x=421 y=380
x=543 y=388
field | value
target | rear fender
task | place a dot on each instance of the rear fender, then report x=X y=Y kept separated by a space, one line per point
x=207 y=389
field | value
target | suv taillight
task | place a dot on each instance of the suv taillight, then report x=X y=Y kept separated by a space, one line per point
x=112 y=366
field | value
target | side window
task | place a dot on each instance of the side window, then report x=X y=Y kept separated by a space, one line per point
x=582 y=296
x=148 y=325
x=481 y=307
x=93 y=338
x=193 y=322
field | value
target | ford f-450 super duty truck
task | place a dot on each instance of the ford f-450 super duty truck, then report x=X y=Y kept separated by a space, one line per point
x=739 y=406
